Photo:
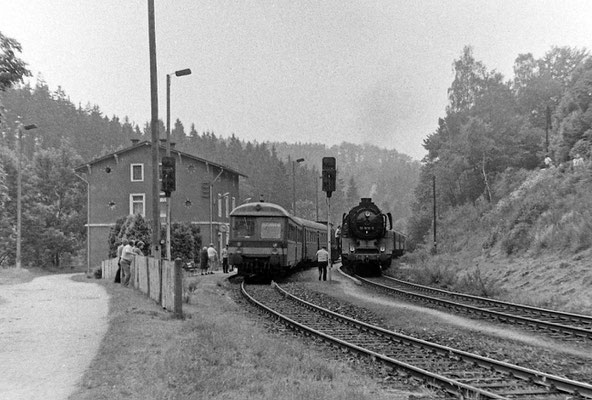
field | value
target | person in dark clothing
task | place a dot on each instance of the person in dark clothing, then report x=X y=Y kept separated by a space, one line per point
x=203 y=260
x=119 y=251
x=224 y=253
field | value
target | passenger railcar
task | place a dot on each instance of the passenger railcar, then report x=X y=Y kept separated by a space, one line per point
x=368 y=245
x=267 y=241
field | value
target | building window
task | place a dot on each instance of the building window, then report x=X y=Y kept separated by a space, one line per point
x=227 y=204
x=137 y=172
x=138 y=204
x=219 y=205
x=233 y=203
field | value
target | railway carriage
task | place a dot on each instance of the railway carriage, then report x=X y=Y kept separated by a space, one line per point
x=266 y=240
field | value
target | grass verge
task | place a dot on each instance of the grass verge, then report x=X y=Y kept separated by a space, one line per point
x=217 y=352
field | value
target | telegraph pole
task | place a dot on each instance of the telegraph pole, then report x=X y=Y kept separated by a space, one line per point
x=155 y=134
x=434 y=196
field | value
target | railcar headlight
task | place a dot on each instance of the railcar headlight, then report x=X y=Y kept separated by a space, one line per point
x=382 y=249
x=274 y=245
x=352 y=248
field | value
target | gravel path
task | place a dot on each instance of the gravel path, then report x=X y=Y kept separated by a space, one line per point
x=50 y=330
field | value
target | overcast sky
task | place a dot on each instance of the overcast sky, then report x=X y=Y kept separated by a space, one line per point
x=323 y=71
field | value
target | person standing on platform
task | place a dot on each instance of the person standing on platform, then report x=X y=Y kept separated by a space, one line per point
x=203 y=260
x=119 y=251
x=127 y=256
x=322 y=262
x=212 y=258
x=224 y=254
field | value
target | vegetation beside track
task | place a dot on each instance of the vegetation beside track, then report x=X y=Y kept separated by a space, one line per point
x=217 y=352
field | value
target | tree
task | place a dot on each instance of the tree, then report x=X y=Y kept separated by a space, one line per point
x=54 y=221
x=469 y=79
x=12 y=68
x=352 y=197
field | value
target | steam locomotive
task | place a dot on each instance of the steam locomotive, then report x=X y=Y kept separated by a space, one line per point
x=268 y=242
x=367 y=244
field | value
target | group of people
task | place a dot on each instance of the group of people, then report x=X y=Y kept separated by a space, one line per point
x=209 y=259
x=126 y=252
x=576 y=163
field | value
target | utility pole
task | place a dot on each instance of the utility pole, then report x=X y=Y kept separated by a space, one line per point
x=547 y=126
x=155 y=134
x=434 y=195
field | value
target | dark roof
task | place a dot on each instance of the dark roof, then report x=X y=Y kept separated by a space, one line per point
x=162 y=149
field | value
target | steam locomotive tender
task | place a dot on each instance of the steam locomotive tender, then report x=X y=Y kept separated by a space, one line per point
x=367 y=245
x=266 y=241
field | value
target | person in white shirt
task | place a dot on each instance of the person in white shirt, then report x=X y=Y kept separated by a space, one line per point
x=322 y=262
x=212 y=257
x=127 y=255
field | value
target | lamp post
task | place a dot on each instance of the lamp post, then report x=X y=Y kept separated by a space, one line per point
x=181 y=72
x=299 y=160
x=212 y=205
x=87 y=223
x=222 y=214
x=18 y=191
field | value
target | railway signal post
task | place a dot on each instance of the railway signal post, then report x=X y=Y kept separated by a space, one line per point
x=329 y=175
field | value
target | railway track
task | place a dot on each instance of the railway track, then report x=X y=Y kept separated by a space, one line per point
x=454 y=371
x=559 y=325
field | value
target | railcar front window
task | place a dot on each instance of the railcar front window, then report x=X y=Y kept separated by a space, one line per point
x=271 y=230
x=243 y=227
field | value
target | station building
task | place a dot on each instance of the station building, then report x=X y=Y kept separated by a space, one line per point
x=120 y=184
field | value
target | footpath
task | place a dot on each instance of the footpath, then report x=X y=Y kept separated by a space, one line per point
x=50 y=330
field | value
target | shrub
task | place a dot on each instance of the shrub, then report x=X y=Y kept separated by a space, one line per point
x=517 y=240
x=474 y=283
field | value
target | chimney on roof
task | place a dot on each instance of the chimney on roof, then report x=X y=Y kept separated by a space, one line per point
x=163 y=142
x=135 y=141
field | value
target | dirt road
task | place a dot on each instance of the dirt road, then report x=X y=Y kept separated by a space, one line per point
x=50 y=330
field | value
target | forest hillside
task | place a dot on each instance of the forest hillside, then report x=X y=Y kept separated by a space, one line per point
x=534 y=246
x=66 y=136
x=509 y=168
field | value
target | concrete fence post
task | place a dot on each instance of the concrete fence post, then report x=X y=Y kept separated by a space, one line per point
x=178 y=288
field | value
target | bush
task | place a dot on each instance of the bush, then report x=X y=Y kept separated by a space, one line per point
x=475 y=284
x=517 y=240
x=98 y=273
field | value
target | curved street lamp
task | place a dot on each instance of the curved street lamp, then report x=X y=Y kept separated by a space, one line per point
x=19 y=190
x=181 y=72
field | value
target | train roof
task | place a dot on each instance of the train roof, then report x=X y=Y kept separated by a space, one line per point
x=263 y=209
x=310 y=224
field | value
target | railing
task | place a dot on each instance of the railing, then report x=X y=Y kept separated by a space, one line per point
x=160 y=280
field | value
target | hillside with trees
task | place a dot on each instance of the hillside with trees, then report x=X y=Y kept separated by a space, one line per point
x=508 y=226
x=493 y=126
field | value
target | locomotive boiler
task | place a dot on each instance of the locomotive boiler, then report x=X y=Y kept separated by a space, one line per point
x=368 y=241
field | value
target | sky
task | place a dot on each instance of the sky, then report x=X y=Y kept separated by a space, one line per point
x=325 y=71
